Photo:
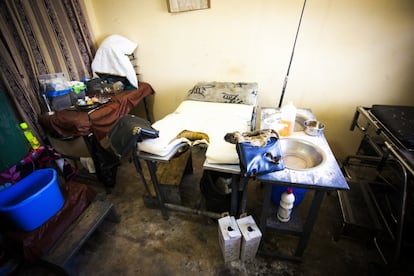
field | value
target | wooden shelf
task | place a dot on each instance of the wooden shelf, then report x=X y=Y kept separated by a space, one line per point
x=78 y=233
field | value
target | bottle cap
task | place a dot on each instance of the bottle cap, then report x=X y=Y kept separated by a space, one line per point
x=289 y=190
x=23 y=125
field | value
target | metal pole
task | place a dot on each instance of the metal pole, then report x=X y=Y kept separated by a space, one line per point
x=185 y=209
x=291 y=57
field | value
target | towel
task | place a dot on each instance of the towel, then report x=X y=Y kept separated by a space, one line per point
x=212 y=119
x=111 y=58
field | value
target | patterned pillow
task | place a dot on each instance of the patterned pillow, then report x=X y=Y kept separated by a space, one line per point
x=224 y=92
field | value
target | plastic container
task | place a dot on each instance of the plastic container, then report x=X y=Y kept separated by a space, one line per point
x=251 y=237
x=57 y=90
x=229 y=238
x=287 y=120
x=33 y=200
x=272 y=122
x=299 y=193
x=286 y=204
x=53 y=82
x=78 y=89
x=60 y=99
x=31 y=138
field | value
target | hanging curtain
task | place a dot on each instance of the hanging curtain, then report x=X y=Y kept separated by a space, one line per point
x=41 y=37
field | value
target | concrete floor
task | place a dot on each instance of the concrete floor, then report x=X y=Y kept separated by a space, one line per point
x=143 y=243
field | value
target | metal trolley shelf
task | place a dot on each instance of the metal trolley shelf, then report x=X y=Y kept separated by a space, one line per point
x=381 y=175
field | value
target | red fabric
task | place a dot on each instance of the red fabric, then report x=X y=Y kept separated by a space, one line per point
x=100 y=121
x=33 y=245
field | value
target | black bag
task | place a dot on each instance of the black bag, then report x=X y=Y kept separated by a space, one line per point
x=259 y=151
x=128 y=131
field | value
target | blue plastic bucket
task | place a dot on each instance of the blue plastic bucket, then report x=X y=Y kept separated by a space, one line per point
x=33 y=200
x=277 y=192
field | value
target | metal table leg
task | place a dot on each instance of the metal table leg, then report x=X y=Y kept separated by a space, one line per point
x=266 y=207
x=138 y=168
x=310 y=222
x=243 y=186
x=152 y=167
x=234 y=194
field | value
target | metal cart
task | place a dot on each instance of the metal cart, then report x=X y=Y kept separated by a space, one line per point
x=381 y=176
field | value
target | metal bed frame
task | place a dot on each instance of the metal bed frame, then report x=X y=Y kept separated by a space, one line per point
x=239 y=183
x=379 y=150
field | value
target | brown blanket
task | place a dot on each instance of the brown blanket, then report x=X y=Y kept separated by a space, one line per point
x=72 y=122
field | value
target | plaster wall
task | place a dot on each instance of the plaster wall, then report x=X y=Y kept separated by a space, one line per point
x=348 y=52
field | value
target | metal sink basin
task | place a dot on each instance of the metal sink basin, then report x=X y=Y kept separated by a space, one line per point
x=299 y=154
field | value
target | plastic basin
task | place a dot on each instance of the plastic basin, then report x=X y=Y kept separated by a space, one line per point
x=301 y=155
x=33 y=200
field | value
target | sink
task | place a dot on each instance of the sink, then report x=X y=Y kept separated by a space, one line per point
x=300 y=154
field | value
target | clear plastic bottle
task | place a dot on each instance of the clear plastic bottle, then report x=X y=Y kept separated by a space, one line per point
x=31 y=138
x=287 y=121
x=286 y=204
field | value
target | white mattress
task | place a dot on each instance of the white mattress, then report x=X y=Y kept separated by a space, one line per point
x=214 y=119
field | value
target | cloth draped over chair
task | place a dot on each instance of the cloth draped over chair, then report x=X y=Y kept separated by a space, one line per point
x=112 y=58
x=41 y=37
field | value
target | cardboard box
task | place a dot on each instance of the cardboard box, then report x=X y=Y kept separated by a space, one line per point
x=251 y=237
x=229 y=238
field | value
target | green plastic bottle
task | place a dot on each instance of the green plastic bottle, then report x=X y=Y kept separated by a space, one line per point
x=31 y=138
